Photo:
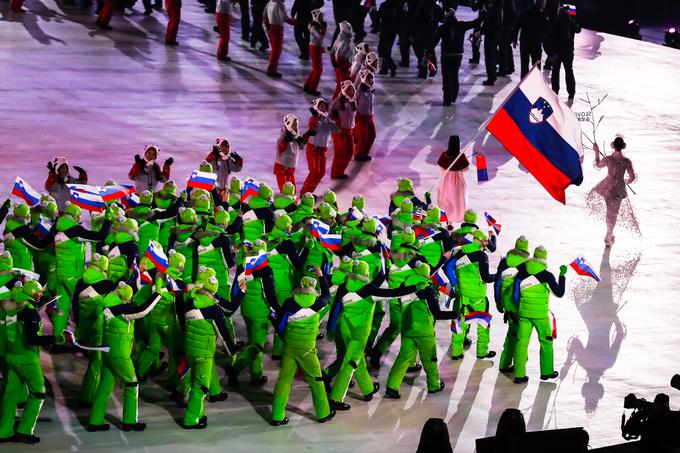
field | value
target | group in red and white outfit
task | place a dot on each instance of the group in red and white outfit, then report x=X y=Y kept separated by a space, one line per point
x=343 y=111
x=287 y=151
x=364 y=129
x=360 y=52
x=275 y=15
x=317 y=32
x=342 y=55
x=223 y=14
x=320 y=129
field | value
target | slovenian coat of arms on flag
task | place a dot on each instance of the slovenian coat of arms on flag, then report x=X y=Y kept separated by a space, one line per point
x=318 y=228
x=542 y=132
x=250 y=189
x=256 y=263
x=88 y=201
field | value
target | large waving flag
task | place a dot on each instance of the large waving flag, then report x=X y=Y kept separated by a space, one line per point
x=23 y=190
x=88 y=201
x=111 y=193
x=480 y=317
x=542 y=132
x=202 y=180
x=157 y=256
x=250 y=189
x=583 y=267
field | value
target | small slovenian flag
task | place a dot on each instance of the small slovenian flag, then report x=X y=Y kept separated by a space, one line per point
x=44 y=226
x=386 y=221
x=23 y=190
x=172 y=284
x=157 y=256
x=455 y=326
x=380 y=226
x=480 y=162
x=464 y=240
x=422 y=232
x=183 y=366
x=319 y=228
x=354 y=214
x=202 y=180
x=385 y=251
x=111 y=193
x=88 y=201
x=250 y=189
x=480 y=317
x=139 y=278
x=131 y=201
x=256 y=263
x=583 y=267
x=492 y=223
x=331 y=242
x=571 y=10
x=443 y=218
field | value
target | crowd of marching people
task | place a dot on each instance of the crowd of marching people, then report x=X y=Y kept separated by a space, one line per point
x=535 y=25
x=168 y=267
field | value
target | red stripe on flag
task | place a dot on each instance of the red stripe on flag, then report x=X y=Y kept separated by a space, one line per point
x=506 y=131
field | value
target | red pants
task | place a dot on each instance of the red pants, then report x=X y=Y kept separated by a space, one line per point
x=342 y=151
x=283 y=175
x=316 y=161
x=364 y=131
x=315 y=53
x=15 y=5
x=106 y=12
x=275 y=34
x=174 y=8
x=341 y=73
x=223 y=22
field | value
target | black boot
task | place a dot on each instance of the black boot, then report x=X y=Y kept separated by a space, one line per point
x=202 y=424
x=133 y=426
x=376 y=387
x=392 y=394
x=259 y=382
x=24 y=438
x=521 y=380
x=327 y=417
x=509 y=369
x=488 y=355
x=339 y=406
x=415 y=368
x=279 y=422
x=553 y=375
x=441 y=387
x=96 y=428
x=219 y=397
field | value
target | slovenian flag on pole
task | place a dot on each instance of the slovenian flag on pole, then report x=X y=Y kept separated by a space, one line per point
x=583 y=267
x=492 y=223
x=85 y=188
x=443 y=218
x=157 y=256
x=256 y=263
x=354 y=214
x=44 y=226
x=455 y=326
x=250 y=189
x=318 y=228
x=202 y=180
x=139 y=278
x=23 y=190
x=88 y=201
x=172 y=284
x=480 y=317
x=542 y=132
x=332 y=242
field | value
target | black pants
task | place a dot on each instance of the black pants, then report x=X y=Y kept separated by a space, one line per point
x=385 y=44
x=506 y=60
x=245 y=19
x=529 y=50
x=301 y=31
x=405 y=42
x=450 y=67
x=476 y=44
x=490 y=55
x=568 y=62
x=257 y=32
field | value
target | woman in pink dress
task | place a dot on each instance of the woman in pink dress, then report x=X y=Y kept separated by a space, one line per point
x=452 y=194
x=613 y=187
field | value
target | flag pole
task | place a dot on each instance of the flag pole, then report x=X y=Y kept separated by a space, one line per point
x=481 y=128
